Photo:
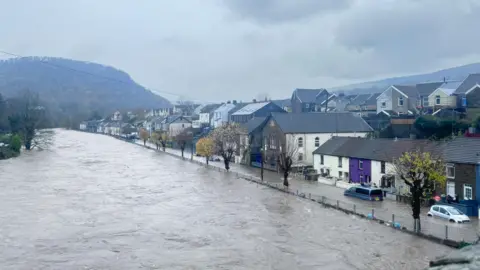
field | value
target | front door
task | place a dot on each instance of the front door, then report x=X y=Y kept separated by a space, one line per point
x=451 y=189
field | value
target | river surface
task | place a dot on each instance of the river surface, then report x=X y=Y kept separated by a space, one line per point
x=93 y=202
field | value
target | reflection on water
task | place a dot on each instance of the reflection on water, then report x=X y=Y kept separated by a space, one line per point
x=92 y=202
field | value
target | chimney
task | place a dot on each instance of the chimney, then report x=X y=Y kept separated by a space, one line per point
x=234 y=102
x=254 y=101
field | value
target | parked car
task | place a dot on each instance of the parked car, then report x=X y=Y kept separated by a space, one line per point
x=448 y=212
x=365 y=193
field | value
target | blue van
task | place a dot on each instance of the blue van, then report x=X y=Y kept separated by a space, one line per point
x=365 y=193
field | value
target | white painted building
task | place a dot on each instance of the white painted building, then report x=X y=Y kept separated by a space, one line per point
x=83 y=126
x=221 y=115
x=334 y=166
x=306 y=143
x=177 y=125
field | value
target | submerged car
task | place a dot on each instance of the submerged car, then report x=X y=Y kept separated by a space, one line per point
x=365 y=193
x=450 y=213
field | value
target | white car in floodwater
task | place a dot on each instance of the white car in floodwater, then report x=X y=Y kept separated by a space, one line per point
x=448 y=212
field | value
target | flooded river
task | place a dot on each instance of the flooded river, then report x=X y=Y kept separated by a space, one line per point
x=93 y=202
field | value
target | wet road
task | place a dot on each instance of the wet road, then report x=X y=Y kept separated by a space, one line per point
x=93 y=202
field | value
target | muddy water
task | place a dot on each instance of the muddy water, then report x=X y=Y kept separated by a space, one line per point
x=93 y=202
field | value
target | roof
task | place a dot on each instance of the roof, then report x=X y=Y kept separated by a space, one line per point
x=307 y=95
x=408 y=90
x=251 y=108
x=337 y=122
x=209 y=108
x=376 y=149
x=463 y=150
x=425 y=89
x=372 y=100
x=237 y=107
x=225 y=107
x=283 y=102
x=360 y=99
x=254 y=123
x=468 y=83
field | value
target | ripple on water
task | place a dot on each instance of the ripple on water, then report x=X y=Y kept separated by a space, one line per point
x=93 y=202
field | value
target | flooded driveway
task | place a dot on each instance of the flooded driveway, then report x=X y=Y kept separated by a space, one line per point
x=93 y=202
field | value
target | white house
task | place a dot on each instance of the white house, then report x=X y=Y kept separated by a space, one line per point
x=177 y=125
x=164 y=111
x=117 y=116
x=305 y=132
x=221 y=115
x=83 y=126
x=206 y=113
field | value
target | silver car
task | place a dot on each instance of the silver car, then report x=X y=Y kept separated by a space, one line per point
x=450 y=213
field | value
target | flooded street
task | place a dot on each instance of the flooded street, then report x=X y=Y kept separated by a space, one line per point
x=93 y=202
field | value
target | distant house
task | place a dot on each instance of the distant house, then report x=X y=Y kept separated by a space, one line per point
x=304 y=132
x=176 y=124
x=258 y=109
x=443 y=96
x=308 y=100
x=468 y=92
x=220 y=115
x=162 y=111
x=251 y=142
x=206 y=113
x=83 y=125
x=406 y=99
x=117 y=116
x=238 y=106
x=361 y=160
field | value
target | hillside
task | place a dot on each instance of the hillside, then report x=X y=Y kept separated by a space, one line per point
x=72 y=88
x=455 y=73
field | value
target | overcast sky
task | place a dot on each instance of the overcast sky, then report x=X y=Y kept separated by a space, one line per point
x=214 y=50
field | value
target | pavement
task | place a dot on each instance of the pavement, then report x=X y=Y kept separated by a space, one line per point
x=387 y=210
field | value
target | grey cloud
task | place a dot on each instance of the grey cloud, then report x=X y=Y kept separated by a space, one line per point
x=408 y=36
x=271 y=11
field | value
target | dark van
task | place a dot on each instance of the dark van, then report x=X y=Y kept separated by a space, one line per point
x=365 y=193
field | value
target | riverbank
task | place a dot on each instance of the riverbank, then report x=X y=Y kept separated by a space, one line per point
x=380 y=212
x=9 y=146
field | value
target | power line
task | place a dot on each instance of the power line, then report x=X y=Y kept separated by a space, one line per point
x=95 y=75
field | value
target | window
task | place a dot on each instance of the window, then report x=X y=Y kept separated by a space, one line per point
x=360 y=165
x=443 y=211
x=307 y=105
x=467 y=192
x=183 y=125
x=400 y=101
x=300 y=142
x=435 y=208
x=340 y=175
x=273 y=145
x=340 y=162
x=321 y=159
x=450 y=171
x=437 y=100
x=425 y=101
x=384 y=104
x=300 y=156
x=382 y=167
x=317 y=141
x=346 y=175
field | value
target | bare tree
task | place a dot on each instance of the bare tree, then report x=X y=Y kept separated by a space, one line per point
x=183 y=138
x=286 y=158
x=226 y=140
x=420 y=171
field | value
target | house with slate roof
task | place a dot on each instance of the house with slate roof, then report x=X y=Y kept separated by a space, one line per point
x=363 y=105
x=462 y=156
x=361 y=160
x=308 y=100
x=442 y=97
x=221 y=114
x=256 y=109
x=305 y=132
x=468 y=92
x=251 y=141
